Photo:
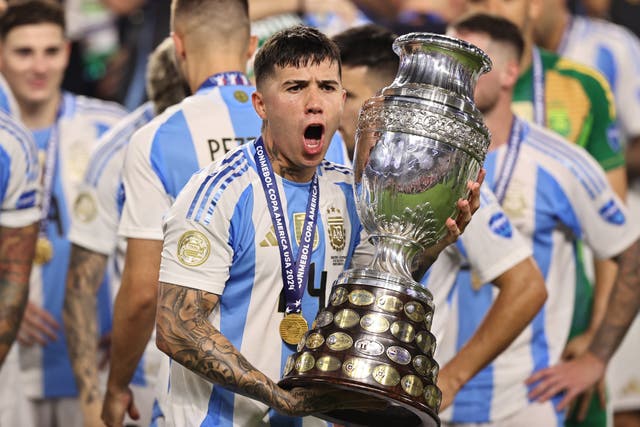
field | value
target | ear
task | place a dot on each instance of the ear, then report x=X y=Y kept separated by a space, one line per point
x=510 y=74
x=253 y=45
x=178 y=44
x=257 y=99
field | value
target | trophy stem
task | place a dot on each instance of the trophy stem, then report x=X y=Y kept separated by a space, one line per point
x=394 y=255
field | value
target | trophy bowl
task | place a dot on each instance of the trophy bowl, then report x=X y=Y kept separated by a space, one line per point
x=418 y=143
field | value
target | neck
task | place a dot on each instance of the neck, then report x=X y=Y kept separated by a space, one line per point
x=554 y=36
x=203 y=69
x=42 y=114
x=282 y=166
x=499 y=121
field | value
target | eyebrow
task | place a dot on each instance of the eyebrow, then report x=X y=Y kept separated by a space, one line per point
x=306 y=82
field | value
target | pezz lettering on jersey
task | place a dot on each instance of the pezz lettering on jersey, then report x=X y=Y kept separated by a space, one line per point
x=224 y=145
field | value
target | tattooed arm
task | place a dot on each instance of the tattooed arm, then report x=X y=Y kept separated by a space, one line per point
x=86 y=270
x=186 y=335
x=17 y=247
x=577 y=375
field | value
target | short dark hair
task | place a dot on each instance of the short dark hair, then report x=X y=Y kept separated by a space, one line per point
x=296 y=46
x=29 y=12
x=201 y=12
x=371 y=46
x=498 y=29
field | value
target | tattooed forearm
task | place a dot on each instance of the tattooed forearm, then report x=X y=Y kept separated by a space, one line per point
x=17 y=246
x=623 y=305
x=185 y=333
x=86 y=270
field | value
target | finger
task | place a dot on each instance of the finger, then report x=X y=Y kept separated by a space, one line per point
x=602 y=393
x=567 y=400
x=30 y=336
x=24 y=338
x=585 y=402
x=48 y=319
x=133 y=410
x=545 y=390
x=482 y=173
x=43 y=329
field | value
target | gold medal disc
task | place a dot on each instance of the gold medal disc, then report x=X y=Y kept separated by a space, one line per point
x=44 y=251
x=292 y=328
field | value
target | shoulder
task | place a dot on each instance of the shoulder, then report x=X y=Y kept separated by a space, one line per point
x=221 y=184
x=87 y=106
x=335 y=173
x=567 y=162
x=17 y=141
x=112 y=145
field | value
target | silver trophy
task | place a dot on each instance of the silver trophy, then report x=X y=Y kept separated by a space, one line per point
x=418 y=143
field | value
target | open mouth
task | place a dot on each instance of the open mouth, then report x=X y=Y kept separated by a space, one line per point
x=313 y=137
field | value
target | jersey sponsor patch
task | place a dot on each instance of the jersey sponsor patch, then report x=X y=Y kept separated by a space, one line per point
x=193 y=248
x=85 y=207
x=611 y=212
x=500 y=225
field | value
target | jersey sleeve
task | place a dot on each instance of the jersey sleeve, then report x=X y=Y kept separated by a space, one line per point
x=145 y=199
x=627 y=88
x=490 y=243
x=96 y=211
x=197 y=254
x=19 y=178
x=592 y=209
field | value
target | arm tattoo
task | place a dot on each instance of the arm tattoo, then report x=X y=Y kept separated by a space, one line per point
x=623 y=306
x=186 y=335
x=86 y=270
x=17 y=246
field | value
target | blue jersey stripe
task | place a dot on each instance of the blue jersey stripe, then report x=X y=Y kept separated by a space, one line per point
x=5 y=173
x=243 y=167
x=26 y=143
x=219 y=177
x=234 y=304
x=473 y=402
x=173 y=156
x=205 y=183
x=244 y=119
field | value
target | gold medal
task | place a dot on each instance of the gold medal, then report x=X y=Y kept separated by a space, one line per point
x=44 y=251
x=292 y=328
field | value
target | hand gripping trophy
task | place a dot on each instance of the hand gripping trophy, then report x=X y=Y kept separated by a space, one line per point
x=418 y=143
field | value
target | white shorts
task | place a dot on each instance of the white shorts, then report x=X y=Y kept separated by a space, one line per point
x=14 y=405
x=533 y=415
x=59 y=412
x=623 y=375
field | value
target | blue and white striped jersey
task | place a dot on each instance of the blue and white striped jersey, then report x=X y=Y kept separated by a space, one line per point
x=614 y=51
x=223 y=212
x=497 y=247
x=7 y=101
x=556 y=195
x=46 y=370
x=164 y=154
x=96 y=213
x=19 y=175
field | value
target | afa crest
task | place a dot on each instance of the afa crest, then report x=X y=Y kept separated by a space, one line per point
x=337 y=234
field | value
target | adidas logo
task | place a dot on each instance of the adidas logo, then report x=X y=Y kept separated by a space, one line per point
x=269 y=239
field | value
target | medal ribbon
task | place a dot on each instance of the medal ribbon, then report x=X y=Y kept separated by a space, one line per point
x=294 y=274
x=229 y=78
x=510 y=158
x=565 y=37
x=50 y=165
x=539 y=112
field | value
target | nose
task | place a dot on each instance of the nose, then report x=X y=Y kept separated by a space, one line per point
x=40 y=64
x=313 y=101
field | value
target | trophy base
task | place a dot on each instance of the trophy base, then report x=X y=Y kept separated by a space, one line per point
x=373 y=338
x=395 y=410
